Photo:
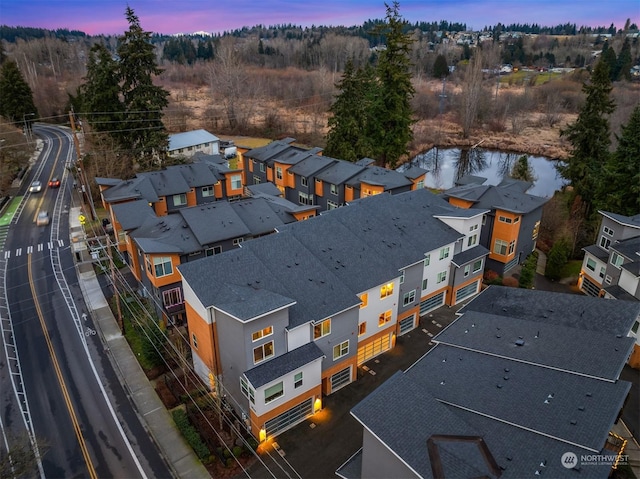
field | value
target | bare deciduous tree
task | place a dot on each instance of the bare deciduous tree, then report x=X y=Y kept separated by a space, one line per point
x=471 y=93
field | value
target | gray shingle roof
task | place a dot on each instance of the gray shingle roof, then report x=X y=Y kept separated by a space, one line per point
x=165 y=234
x=339 y=172
x=214 y=222
x=619 y=293
x=166 y=182
x=285 y=363
x=596 y=251
x=267 y=188
x=311 y=165
x=629 y=248
x=375 y=175
x=268 y=152
x=135 y=188
x=257 y=215
x=469 y=255
x=546 y=344
x=633 y=221
x=132 y=214
x=580 y=312
x=507 y=196
x=195 y=174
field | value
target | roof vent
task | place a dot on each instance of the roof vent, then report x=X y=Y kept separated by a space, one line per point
x=499 y=386
x=519 y=342
x=506 y=378
x=573 y=422
x=589 y=395
x=506 y=370
x=580 y=408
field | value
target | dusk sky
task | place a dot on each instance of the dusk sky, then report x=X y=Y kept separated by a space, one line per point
x=188 y=16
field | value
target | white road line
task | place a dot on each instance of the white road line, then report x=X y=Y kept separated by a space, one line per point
x=7 y=254
x=18 y=251
x=29 y=249
x=50 y=244
x=40 y=247
x=60 y=243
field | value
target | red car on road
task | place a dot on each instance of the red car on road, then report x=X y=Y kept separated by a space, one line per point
x=54 y=183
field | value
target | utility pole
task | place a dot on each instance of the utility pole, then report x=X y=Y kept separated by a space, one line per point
x=84 y=184
x=116 y=294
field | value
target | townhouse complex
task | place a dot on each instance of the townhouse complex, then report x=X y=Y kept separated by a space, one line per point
x=523 y=383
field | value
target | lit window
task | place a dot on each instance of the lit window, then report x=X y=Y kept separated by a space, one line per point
x=322 y=329
x=444 y=253
x=340 y=350
x=262 y=352
x=500 y=247
x=384 y=318
x=162 y=266
x=362 y=328
x=297 y=380
x=364 y=297
x=441 y=277
x=273 y=392
x=409 y=298
x=207 y=191
x=179 y=200
x=386 y=290
x=262 y=333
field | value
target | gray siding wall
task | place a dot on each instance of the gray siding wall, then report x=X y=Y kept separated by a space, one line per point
x=380 y=463
x=412 y=282
x=525 y=234
x=343 y=326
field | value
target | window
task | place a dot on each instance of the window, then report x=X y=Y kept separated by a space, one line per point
x=322 y=329
x=304 y=181
x=504 y=219
x=634 y=328
x=340 y=350
x=279 y=172
x=616 y=260
x=536 y=230
x=467 y=269
x=591 y=264
x=472 y=240
x=273 y=392
x=362 y=328
x=516 y=219
x=427 y=260
x=236 y=182
x=162 y=266
x=248 y=391
x=207 y=191
x=512 y=246
x=602 y=270
x=500 y=247
x=334 y=189
x=444 y=253
x=402 y=277
x=384 y=318
x=262 y=333
x=484 y=220
x=212 y=251
x=179 y=200
x=424 y=284
x=237 y=241
x=409 y=298
x=441 y=277
x=172 y=297
x=386 y=290
x=477 y=266
x=262 y=168
x=305 y=199
x=194 y=341
x=605 y=242
x=262 y=352
x=608 y=231
x=473 y=227
x=297 y=380
x=607 y=279
x=364 y=297
x=420 y=185
x=256 y=180
x=331 y=205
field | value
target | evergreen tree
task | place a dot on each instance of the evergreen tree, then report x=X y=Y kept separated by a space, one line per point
x=440 y=67
x=347 y=137
x=390 y=121
x=589 y=136
x=145 y=134
x=619 y=190
x=16 y=98
x=624 y=62
x=100 y=94
x=609 y=57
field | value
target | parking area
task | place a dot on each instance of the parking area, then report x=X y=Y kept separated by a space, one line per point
x=317 y=447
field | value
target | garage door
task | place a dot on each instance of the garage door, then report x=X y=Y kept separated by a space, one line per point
x=289 y=418
x=341 y=378
x=406 y=324
x=431 y=303
x=466 y=291
x=373 y=349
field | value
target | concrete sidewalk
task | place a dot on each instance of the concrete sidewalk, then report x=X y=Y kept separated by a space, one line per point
x=159 y=423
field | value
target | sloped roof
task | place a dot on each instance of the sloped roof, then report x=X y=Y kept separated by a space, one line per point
x=285 y=363
x=136 y=188
x=214 y=222
x=132 y=214
x=629 y=248
x=632 y=221
x=311 y=165
x=375 y=175
x=508 y=196
x=267 y=188
x=190 y=138
x=339 y=172
x=165 y=234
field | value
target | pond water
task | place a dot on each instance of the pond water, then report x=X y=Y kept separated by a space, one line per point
x=447 y=165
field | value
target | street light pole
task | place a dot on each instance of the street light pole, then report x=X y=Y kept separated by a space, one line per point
x=27 y=128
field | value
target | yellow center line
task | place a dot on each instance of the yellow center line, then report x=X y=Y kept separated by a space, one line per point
x=63 y=387
x=45 y=184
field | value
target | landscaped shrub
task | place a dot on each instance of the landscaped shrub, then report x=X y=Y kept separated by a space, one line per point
x=237 y=450
x=490 y=276
x=191 y=435
x=510 y=281
x=558 y=256
x=528 y=271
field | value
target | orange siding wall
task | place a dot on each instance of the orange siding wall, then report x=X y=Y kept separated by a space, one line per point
x=231 y=191
x=460 y=203
x=348 y=193
x=174 y=277
x=191 y=197
x=318 y=188
x=161 y=207
x=418 y=180
x=133 y=258
x=217 y=190
x=270 y=174
x=370 y=190
x=505 y=232
x=205 y=334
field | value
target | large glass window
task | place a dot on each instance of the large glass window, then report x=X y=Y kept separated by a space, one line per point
x=262 y=352
x=500 y=247
x=179 y=200
x=591 y=264
x=262 y=333
x=207 y=191
x=384 y=318
x=444 y=252
x=386 y=290
x=477 y=266
x=236 y=182
x=305 y=199
x=172 y=297
x=162 y=266
x=273 y=392
x=605 y=242
x=322 y=329
x=334 y=189
x=616 y=260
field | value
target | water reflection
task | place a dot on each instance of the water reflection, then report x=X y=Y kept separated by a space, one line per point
x=446 y=166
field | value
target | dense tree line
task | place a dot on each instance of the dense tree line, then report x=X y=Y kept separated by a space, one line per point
x=13 y=34
x=182 y=50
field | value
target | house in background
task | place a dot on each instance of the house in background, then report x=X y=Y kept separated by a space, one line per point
x=287 y=318
x=511 y=227
x=188 y=143
x=520 y=381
